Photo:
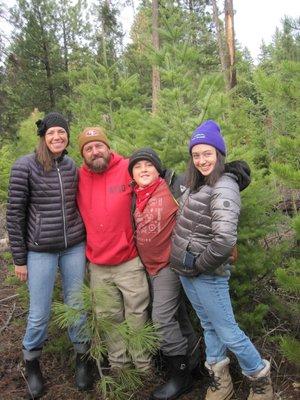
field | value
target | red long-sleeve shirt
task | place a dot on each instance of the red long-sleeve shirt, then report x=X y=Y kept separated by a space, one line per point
x=154 y=228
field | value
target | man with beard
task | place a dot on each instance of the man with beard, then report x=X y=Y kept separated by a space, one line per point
x=104 y=200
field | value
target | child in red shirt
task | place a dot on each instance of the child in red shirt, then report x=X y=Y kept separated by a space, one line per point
x=154 y=218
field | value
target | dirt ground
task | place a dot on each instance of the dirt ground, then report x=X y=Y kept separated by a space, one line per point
x=58 y=368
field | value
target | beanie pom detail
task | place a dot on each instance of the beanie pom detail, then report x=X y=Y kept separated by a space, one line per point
x=40 y=127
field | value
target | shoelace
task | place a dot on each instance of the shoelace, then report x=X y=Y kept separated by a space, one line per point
x=214 y=383
x=259 y=385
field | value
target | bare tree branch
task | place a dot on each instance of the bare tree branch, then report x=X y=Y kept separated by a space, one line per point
x=8 y=319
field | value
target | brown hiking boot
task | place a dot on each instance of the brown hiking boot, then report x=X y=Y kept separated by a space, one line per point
x=220 y=387
x=261 y=385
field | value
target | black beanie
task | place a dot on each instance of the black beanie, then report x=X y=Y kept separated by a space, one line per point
x=146 y=153
x=50 y=120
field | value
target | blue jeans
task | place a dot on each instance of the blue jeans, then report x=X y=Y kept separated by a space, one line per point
x=210 y=299
x=42 y=268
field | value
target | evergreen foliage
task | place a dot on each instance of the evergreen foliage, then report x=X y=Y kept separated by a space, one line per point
x=24 y=142
x=36 y=57
x=291 y=349
x=107 y=33
x=94 y=82
x=279 y=93
x=120 y=383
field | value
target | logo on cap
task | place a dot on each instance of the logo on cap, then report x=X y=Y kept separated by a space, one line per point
x=199 y=136
x=91 y=133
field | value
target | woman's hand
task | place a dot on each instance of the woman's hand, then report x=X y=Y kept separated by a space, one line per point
x=21 y=272
x=233 y=255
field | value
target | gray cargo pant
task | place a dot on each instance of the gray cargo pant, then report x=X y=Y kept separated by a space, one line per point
x=169 y=314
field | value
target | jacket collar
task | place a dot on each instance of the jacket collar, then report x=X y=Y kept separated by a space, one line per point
x=59 y=158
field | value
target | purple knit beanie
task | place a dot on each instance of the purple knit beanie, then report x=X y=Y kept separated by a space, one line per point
x=208 y=133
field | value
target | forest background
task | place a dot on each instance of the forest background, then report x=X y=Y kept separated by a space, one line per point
x=182 y=66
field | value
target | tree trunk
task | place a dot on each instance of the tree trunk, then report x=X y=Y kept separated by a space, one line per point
x=66 y=58
x=155 y=70
x=229 y=27
x=220 y=40
x=46 y=60
x=104 y=34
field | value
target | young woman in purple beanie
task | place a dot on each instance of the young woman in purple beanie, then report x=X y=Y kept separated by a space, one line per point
x=204 y=235
x=46 y=232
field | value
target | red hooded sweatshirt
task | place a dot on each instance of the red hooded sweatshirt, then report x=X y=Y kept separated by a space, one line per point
x=104 y=201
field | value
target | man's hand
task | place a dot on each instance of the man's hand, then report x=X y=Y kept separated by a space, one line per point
x=233 y=255
x=21 y=272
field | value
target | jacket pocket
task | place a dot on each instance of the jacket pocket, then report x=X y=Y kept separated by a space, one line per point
x=38 y=224
x=178 y=265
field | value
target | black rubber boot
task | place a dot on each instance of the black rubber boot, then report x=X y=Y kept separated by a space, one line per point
x=34 y=379
x=180 y=380
x=83 y=372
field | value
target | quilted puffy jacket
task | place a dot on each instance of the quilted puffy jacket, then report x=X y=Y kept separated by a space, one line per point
x=41 y=212
x=207 y=226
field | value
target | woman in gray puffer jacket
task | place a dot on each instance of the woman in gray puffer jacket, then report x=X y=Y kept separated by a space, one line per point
x=203 y=238
x=46 y=232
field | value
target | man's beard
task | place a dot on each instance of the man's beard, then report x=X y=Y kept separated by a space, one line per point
x=98 y=164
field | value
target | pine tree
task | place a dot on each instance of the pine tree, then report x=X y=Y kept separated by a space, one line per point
x=48 y=40
x=278 y=95
x=107 y=96
x=184 y=92
x=24 y=142
x=36 y=52
x=121 y=384
x=107 y=35
x=72 y=30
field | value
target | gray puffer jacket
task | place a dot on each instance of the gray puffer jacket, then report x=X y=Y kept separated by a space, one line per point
x=41 y=212
x=207 y=226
